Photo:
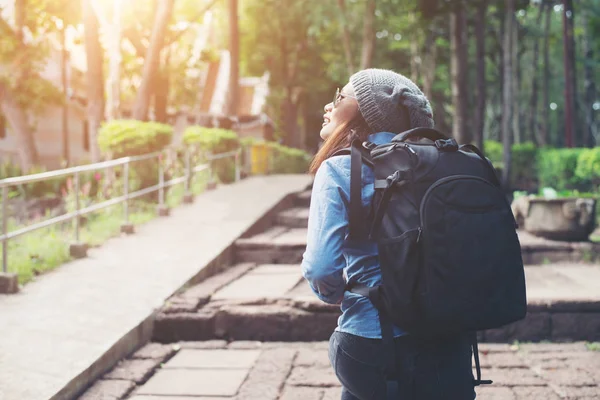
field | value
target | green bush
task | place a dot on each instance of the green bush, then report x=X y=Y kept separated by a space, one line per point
x=287 y=160
x=121 y=138
x=523 y=173
x=214 y=141
x=588 y=166
x=45 y=188
x=523 y=169
x=493 y=150
x=556 y=169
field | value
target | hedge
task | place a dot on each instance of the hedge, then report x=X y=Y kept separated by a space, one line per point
x=282 y=159
x=563 y=169
x=121 y=138
x=214 y=141
x=557 y=169
x=588 y=166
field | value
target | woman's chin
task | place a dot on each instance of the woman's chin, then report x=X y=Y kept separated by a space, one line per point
x=325 y=132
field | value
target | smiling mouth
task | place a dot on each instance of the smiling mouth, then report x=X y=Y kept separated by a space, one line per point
x=326 y=121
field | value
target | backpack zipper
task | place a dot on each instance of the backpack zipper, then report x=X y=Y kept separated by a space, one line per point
x=440 y=182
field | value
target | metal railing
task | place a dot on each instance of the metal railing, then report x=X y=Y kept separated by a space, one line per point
x=124 y=162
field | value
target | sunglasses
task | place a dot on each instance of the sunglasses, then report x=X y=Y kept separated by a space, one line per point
x=339 y=96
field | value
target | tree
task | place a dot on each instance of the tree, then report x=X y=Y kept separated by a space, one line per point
x=459 y=66
x=545 y=131
x=162 y=17
x=368 y=44
x=346 y=38
x=590 y=133
x=507 y=97
x=95 y=77
x=18 y=53
x=569 y=61
x=481 y=81
x=234 y=65
x=533 y=102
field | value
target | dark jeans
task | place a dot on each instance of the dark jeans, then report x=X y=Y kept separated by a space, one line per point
x=427 y=370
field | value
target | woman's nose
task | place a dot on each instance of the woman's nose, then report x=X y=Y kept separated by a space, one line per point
x=328 y=107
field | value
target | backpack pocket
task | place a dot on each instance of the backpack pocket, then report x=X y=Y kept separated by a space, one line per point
x=399 y=259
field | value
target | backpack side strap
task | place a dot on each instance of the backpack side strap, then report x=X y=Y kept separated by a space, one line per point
x=387 y=337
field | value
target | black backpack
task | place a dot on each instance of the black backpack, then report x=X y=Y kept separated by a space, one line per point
x=449 y=252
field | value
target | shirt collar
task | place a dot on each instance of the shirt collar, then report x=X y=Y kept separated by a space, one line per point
x=381 y=137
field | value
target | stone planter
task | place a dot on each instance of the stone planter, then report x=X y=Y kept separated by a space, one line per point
x=567 y=219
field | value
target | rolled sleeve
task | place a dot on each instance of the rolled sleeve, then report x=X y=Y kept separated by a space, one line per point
x=323 y=261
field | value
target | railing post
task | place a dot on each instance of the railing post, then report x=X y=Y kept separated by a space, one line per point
x=211 y=178
x=188 y=195
x=77 y=220
x=77 y=249
x=237 y=165
x=4 y=229
x=126 y=227
x=163 y=210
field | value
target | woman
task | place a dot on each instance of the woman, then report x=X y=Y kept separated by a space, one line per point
x=375 y=105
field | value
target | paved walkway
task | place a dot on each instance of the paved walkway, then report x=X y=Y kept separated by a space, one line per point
x=214 y=370
x=64 y=329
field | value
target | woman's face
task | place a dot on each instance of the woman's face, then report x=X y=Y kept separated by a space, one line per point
x=341 y=110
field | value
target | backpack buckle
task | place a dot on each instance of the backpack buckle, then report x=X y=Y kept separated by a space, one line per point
x=446 y=144
x=398 y=176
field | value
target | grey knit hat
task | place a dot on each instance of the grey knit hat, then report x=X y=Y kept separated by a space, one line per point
x=390 y=102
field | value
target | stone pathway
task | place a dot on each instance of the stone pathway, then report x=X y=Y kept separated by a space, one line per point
x=64 y=330
x=256 y=331
x=301 y=371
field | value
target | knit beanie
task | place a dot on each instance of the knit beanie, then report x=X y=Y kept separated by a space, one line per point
x=390 y=102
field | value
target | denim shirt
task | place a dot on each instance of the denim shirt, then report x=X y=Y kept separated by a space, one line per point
x=330 y=260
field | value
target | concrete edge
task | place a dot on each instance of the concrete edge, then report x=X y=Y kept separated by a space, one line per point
x=142 y=334
x=124 y=347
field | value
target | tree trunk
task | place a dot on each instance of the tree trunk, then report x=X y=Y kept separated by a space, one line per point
x=15 y=113
x=234 y=69
x=459 y=66
x=544 y=133
x=533 y=102
x=113 y=86
x=161 y=89
x=429 y=63
x=516 y=61
x=569 y=60
x=481 y=84
x=142 y=101
x=17 y=119
x=368 y=46
x=590 y=130
x=346 y=39
x=65 y=107
x=95 y=77
x=507 y=98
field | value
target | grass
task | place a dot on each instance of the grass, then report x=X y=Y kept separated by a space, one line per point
x=593 y=346
x=46 y=249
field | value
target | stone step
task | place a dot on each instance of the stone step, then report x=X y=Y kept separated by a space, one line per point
x=282 y=244
x=278 y=244
x=303 y=199
x=294 y=217
x=274 y=303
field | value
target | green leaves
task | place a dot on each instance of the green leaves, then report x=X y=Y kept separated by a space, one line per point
x=123 y=138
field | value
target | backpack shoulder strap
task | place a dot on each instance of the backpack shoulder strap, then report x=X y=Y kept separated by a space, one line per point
x=357 y=230
x=358 y=156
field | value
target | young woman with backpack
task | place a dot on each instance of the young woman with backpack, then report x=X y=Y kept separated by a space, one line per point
x=374 y=106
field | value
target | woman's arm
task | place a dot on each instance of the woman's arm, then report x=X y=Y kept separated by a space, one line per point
x=323 y=261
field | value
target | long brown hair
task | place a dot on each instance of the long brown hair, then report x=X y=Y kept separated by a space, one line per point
x=339 y=139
